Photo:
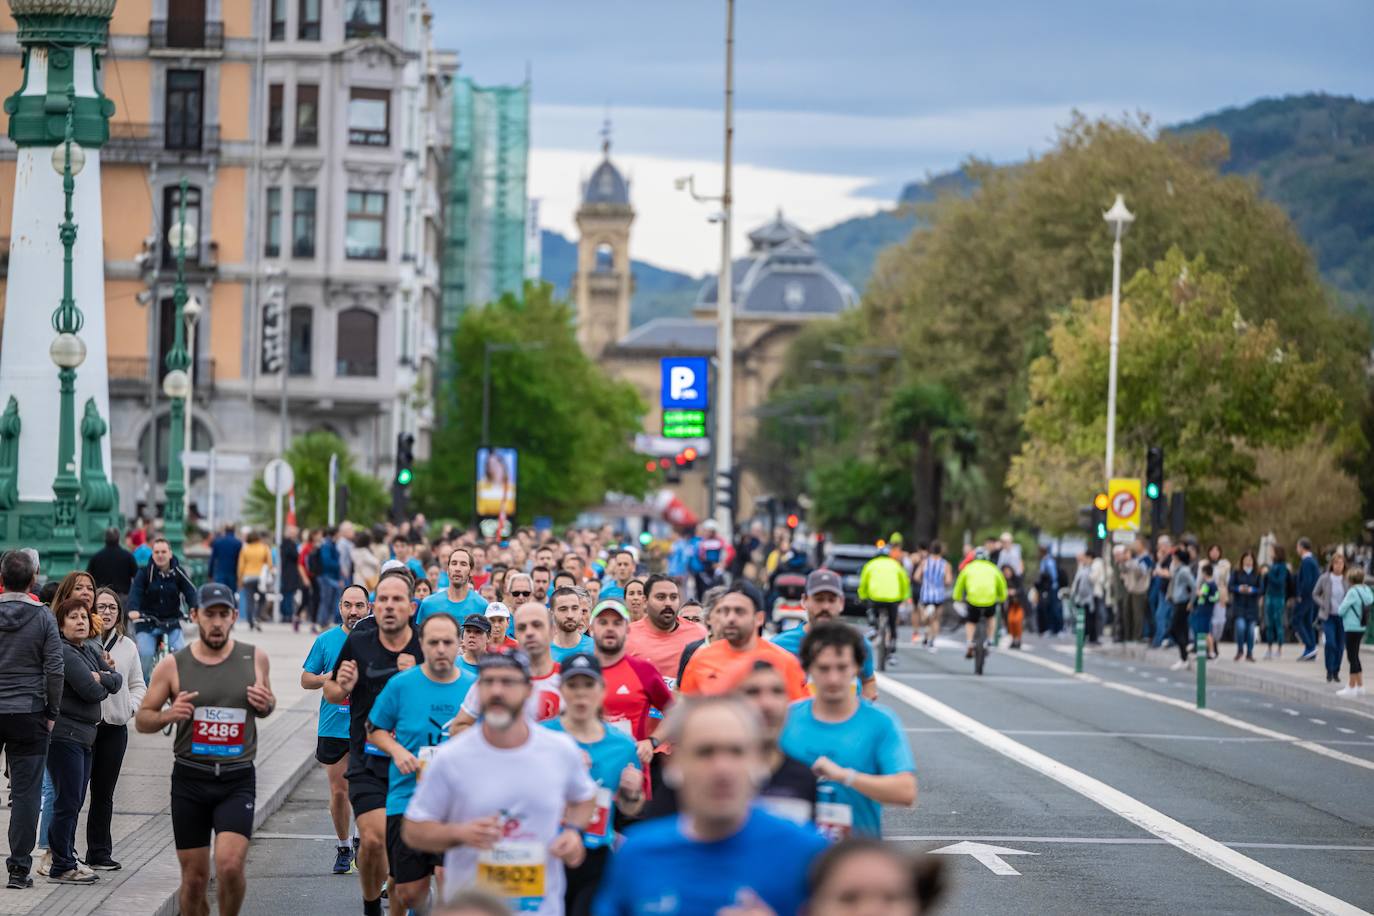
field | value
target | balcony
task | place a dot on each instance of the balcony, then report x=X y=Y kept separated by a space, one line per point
x=185 y=35
x=133 y=375
x=132 y=142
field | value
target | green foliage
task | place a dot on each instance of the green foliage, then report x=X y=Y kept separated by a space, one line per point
x=308 y=456
x=1197 y=376
x=572 y=424
x=860 y=500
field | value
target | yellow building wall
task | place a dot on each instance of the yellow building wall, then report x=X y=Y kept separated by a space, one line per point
x=126 y=322
x=228 y=228
x=238 y=18
x=6 y=195
x=11 y=77
x=127 y=85
x=131 y=17
x=226 y=322
x=128 y=210
x=235 y=88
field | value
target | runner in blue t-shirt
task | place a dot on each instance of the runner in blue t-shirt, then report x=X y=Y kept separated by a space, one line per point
x=331 y=745
x=458 y=598
x=824 y=602
x=614 y=767
x=408 y=721
x=723 y=850
x=857 y=749
x=568 y=638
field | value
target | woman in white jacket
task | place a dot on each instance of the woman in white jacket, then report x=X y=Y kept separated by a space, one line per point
x=112 y=734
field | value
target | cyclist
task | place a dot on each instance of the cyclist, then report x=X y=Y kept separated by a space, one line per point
x=884 y=584
x=935 y=576
x=215 y=690
x=369 y=658
x=857 y=749
x=407 y=722
x=507 y=801
x=824 y=602
x=155 y=602
x=615 y=769
x=331 y=743
x=981 y=587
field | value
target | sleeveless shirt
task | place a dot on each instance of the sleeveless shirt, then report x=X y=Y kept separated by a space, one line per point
x=223 y=732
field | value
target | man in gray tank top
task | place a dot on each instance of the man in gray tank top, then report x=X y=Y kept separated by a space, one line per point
x=214 y=691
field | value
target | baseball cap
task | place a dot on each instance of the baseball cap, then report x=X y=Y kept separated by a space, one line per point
x=582 y=663
x=497 y=609
x=506 y=658
x=610 y=592
x=610 y=605
x=214 y=594
x=824 y=580
x=477 y=622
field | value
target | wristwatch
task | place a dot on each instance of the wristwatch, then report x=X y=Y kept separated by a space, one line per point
x=654 y=742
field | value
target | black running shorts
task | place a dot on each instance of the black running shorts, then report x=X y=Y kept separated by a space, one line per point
x=203 y=802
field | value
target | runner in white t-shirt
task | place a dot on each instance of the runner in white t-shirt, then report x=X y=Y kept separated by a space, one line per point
x=509 y=836
x=533 y=630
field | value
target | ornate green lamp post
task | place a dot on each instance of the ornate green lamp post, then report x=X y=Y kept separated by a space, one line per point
x=176 y=384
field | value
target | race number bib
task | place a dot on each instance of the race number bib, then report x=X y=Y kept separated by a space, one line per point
x=514 y=869
x=600 y=826
x=835 y=820
x=425 y=756
x=217 y=731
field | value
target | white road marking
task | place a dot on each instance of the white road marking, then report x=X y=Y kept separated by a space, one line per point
x=1291 y=712
x=1151 y=736
x=1093 y=841
x=990 y=856
x=1271 y=881
x=1212 y=714
x=1162 y=680
x=1345 y=731
x=1317 y=721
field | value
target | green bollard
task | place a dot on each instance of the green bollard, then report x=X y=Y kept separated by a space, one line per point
x=1200 y=654
x=1079 y=629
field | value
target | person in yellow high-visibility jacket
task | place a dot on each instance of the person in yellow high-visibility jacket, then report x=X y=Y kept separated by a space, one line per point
x=884 y=584
x=981 y=586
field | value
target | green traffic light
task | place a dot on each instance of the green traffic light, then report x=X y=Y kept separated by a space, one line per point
x=403 y=477
x=1101 y=531
x=645 y=538
x=1152 y=490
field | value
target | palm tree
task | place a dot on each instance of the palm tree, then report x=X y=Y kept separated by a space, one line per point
x=928 y=427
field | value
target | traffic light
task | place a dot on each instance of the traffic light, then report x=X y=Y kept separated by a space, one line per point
x=1098 y=528
x=727 y=489
x=1154 y=472
x=645 y=538
x=1178 y=513
x=689 y=458
x=405 y=473
x=793 y=521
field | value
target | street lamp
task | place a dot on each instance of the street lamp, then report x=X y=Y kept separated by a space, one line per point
x=68 y=350
x=177 y=384
x=1120 y=219
x=191 y=312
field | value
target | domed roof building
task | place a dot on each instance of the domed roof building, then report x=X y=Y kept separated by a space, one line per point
x=783 y=273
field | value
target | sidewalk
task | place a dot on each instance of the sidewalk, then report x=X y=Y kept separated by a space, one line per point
x=142 y=829
x=1286 y=677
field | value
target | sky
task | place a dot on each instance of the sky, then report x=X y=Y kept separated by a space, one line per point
x=838 y=103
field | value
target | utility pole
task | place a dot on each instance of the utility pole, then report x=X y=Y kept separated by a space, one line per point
x=725 y=305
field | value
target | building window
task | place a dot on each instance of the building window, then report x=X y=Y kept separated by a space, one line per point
x=278 y=29
x=272 y=248
x=365 y=231
x=171 y=209
x=274 y=112
x=185 y=109
x=356 y=351
x=303 y=223
x=186 y=23
x=605 y=259
x=302 y=339
x=369 y=117
x=364 y=17
x=308 y=26
x=307 y=114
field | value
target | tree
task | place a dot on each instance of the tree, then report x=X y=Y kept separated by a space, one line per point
x=927 y=425
x=309 y=456
x=1197 y=375
x=573 y=424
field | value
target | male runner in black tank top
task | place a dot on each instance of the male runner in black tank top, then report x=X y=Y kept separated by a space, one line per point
x=217 y=689
x=370 y=657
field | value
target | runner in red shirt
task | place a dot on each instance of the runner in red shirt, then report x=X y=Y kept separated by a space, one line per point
x=633 y=686
x=661 y=636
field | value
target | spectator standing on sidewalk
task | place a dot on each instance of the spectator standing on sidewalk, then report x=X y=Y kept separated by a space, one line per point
x=1328 y=594
x=328 y=572
x=112 y=734
x=289 y=562
x=1355 y=617
x=1221 y=576
x=224 y=558
x=1278 y=588
x=255 y=564
x=112 y=565
x=1081 y=590
x=1246 y=586
x=1182 y=588
x=1135 y=610
x=1161 y=574
x=1305 y=611
x=31 y=679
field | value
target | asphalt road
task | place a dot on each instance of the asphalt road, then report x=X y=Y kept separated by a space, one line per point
x=1266 y=801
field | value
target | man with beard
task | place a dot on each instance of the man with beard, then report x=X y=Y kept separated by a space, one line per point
x=739 y=618
x=369 y=658
x=533 y=622
x=510 y=835
x=568 y=638
x=459 y=599
x=215 y=690
x=661 y=636
x=634 y=688
x=824 y=602
x=540 y=577
x=407 y=722
x=331 y=745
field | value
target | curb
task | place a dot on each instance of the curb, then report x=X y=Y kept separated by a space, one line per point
x=1221 y=674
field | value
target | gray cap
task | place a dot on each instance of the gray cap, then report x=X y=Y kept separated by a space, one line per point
x=214 y=594
x=824 y=580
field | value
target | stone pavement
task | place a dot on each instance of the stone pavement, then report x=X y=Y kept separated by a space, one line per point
x=142 y=827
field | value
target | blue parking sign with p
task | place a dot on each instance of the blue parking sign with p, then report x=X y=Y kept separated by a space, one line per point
x=685 y=382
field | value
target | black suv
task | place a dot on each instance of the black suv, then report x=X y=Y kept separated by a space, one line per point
x=848 y=561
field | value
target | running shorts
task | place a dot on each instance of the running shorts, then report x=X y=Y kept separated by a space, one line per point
x=403 y=863
x=203 y=802
x=367 y=783
x=330 y=750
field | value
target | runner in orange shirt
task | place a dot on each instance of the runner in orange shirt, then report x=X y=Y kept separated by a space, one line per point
x=660 y=635
x=713 y=668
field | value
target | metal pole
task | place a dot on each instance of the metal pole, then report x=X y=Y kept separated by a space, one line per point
x=283 y=337
x=190 y=402
x=333 y=486
x=211 y=526
x=1200 y=655
x=725 y=332
x=486 y=394
x=1113 y=346
x=276 y=485
x=1079 y=625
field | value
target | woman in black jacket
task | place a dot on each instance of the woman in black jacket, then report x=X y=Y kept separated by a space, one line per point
x=1246 y=587
x=88 y=680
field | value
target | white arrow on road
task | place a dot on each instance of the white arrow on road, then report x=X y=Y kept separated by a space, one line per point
x=989 y=855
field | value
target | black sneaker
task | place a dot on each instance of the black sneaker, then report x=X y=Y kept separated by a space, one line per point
x=343 y=861
x=19 y=881
x=103 y=865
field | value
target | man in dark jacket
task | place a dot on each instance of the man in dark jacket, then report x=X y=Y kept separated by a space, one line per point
x=31 y=678
x=1305 y=611
x=224 y=558
x=289 y=561
x=157 y=595
x=112 y=566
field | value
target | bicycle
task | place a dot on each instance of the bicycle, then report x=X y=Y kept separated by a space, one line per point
x=160 y=650
x=882 y=632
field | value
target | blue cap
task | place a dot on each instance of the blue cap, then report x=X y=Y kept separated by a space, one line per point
x=216 y=594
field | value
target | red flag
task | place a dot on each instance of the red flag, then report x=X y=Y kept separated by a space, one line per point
x=291 y=506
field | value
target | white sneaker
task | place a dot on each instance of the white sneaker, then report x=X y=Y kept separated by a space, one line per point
x=931 y=648
x=45 y=864
x=1348 y=692
x=1177 y=666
